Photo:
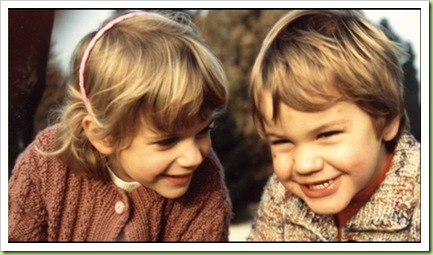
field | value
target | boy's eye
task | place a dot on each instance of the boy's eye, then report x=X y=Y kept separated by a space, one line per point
x=328 y=134
x=279 y=142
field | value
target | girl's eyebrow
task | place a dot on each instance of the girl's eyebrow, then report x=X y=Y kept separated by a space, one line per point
x=211 y=121
x=204 y=126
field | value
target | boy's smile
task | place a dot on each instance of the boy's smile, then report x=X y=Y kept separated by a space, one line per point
x=325 y=157
x=320 y=189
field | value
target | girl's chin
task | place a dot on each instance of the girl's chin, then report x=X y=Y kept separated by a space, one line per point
x=173 y=193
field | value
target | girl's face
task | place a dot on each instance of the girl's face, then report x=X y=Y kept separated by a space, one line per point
x=325 y=157
x=165 y=163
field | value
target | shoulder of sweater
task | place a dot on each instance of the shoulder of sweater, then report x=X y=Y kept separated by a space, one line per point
x=211 y=168
x=407 y=142
x=31 y=157
x=41 y=167
x=208 y=183
x=407 y=157
x=213 y=161
x=402 y=182
x=275 y=189
x=34 y=167
x=46 y=139
x=50 y=175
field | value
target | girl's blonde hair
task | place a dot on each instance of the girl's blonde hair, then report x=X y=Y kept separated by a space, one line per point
x=330 y=55
x=151 y=68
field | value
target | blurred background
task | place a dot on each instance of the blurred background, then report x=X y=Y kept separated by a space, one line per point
x=41 y=43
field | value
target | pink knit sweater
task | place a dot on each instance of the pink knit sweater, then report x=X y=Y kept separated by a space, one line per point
x=49 y=202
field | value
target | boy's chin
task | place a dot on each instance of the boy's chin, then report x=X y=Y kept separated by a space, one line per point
x=325 y=208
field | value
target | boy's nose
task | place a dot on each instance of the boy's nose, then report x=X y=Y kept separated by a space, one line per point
x=191 y=155
x=307 y=162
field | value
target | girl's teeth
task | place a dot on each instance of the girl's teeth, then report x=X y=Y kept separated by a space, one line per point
x=320 y=185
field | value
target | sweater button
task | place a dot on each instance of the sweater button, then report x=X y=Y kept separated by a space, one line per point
x=119 y=207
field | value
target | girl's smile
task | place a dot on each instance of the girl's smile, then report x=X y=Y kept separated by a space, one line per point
x=166 y=163
x=178 y=180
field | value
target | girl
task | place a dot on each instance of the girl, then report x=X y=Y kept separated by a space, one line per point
x=130 y=158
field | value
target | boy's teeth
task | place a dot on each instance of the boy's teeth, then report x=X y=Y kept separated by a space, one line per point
x=320 y=185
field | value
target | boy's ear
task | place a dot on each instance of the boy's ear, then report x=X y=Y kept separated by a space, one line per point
x=104 y=145
x=391 y=130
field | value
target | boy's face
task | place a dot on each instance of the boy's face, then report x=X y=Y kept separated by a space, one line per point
x=165 y=163
x=325 y=157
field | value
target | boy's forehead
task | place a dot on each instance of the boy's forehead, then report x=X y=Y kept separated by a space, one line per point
x=304 y=101
x=266 y=106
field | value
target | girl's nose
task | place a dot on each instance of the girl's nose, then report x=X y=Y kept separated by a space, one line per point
x=191 y=155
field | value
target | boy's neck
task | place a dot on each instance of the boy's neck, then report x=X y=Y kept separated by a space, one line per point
x=362 y=197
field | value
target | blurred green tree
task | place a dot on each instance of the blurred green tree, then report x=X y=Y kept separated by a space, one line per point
x=236 y=37
x=410 y=82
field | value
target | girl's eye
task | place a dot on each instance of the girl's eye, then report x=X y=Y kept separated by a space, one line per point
x=207 y=130
x=168 y=141
x=329 y=134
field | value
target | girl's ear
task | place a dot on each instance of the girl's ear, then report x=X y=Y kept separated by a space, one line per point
x=104 y=145
x=391 y=130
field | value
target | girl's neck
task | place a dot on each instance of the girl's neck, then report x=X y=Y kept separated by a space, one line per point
x=126 y=186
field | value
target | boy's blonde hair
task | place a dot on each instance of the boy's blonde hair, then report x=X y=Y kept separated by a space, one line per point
x=152 y=69
x=312 y=59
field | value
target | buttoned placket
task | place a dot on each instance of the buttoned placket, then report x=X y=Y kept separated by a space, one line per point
x=119 y=207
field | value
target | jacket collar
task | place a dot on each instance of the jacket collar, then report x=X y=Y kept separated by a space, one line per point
x=390 y=208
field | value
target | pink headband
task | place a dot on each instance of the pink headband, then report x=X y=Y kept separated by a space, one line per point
x=89 y=48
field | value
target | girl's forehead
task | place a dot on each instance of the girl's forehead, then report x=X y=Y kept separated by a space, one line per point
x=176 y=126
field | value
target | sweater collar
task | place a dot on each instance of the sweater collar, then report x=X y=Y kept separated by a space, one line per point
x=126 y=186
x=364 y=195
x=390 y=207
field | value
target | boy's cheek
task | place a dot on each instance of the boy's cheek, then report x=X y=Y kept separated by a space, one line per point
x=353 y=162
x=281 y=167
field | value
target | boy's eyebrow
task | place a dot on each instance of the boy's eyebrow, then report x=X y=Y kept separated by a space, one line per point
x=272 y=134
x=328 y=125
x=315 y=130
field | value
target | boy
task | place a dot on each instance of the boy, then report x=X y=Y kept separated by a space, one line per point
x=327 y=96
